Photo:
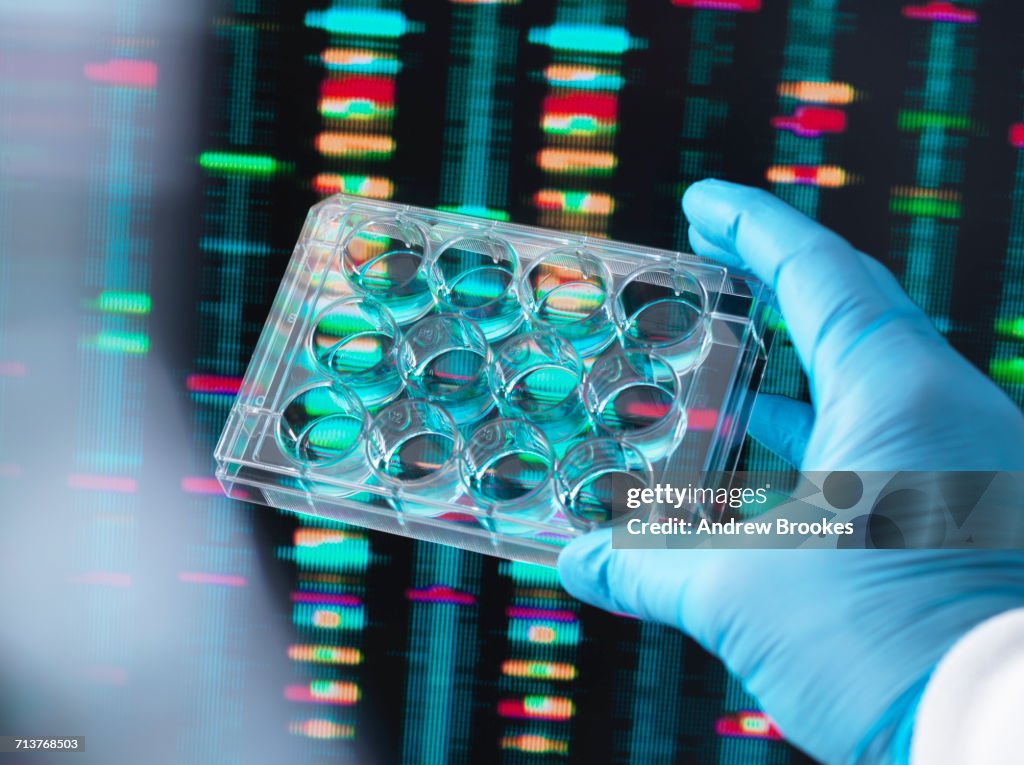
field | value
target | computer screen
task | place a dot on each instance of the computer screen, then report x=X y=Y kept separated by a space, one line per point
x=177 y=152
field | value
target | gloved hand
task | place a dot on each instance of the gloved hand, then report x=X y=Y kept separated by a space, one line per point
x=837 y=645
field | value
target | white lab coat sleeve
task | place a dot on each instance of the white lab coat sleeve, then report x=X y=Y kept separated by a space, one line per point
x=972 y=705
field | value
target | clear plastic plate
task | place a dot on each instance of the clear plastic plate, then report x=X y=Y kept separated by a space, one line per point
x=486 y=385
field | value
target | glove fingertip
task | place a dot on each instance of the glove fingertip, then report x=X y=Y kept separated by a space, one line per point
x=782 y=425
x=696 y=197
x=582 y=567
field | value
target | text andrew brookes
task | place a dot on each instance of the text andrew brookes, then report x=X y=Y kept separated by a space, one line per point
x=828 y=510
x=732 y=527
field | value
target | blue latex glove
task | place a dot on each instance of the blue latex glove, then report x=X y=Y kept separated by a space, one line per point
x=837 y=645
